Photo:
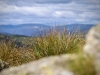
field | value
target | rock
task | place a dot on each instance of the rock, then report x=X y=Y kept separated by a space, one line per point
x=54 y=65
x=92 y=46
x=3 y=65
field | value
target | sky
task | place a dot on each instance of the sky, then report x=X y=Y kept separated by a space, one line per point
x=49 y=12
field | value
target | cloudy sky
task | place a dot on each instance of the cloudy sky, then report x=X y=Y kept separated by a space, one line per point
x=49 y=11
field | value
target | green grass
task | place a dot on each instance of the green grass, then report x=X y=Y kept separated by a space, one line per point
x=13 y=55
x=56 y=43
x=53 y=43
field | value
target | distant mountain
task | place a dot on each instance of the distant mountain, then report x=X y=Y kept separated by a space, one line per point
x=36 y=29
x=5 y=33
x=23 y=29
x=76 y=27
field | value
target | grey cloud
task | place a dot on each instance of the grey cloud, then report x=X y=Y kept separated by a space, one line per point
x=45 y=11
x=90 y=2
x=31 y=2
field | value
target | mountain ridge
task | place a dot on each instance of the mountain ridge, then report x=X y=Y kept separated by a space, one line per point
x=33 y=29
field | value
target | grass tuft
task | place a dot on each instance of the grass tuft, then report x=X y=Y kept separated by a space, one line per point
x=56 y=43
x=53 y=43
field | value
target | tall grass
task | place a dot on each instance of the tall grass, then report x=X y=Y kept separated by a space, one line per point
x=53 y=43
x=56 y=43
x=13 y=55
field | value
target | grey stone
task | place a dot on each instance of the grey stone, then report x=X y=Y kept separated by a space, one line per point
x=92 y=46
x=54 y=65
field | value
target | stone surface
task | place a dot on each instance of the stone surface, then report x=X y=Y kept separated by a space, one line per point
x=92 y=46
x=56 y=65
x=3 y=65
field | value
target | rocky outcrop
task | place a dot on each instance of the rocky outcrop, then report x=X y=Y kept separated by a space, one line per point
x=92 y=46
x=59 y=65
x=3 y=65
x=56 y=65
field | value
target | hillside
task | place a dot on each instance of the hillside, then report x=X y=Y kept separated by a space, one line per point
x=18 y=40
x=37 y=29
